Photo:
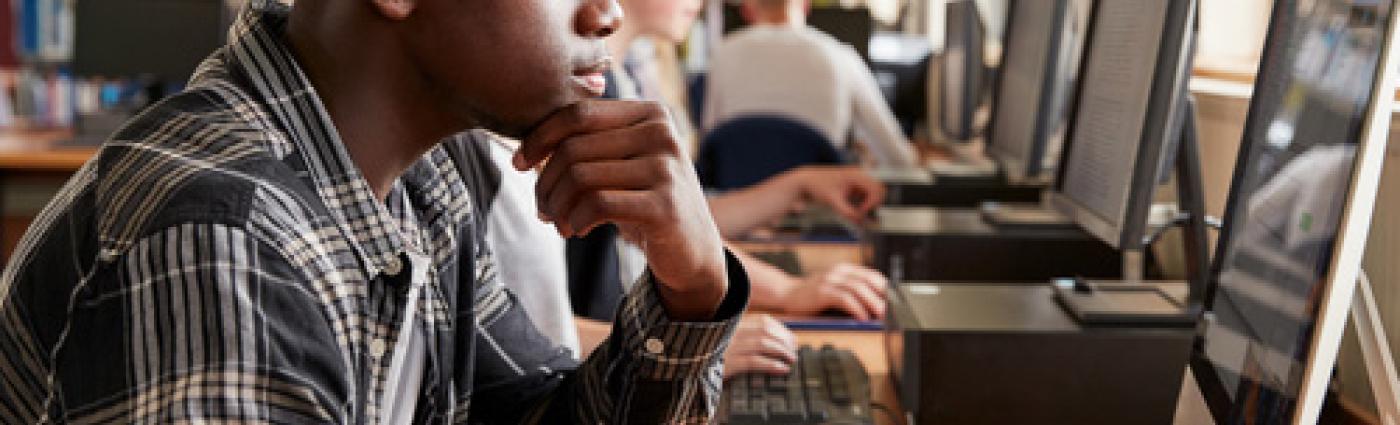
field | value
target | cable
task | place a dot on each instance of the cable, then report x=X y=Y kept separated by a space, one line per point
x=1180 y=220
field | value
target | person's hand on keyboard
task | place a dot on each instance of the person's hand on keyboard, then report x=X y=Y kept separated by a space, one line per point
x=761 y=344
x=853 y=290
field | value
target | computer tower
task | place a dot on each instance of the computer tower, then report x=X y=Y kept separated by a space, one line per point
x=1008 y=354
x=960 y=245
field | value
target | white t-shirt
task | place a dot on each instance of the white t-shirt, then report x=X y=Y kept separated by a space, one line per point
x=809 y=76
x=529 y=253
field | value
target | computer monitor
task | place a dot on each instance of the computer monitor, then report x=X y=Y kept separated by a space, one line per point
x=900 y=63
x=853 y=26
x=1299 y=211
x=962 y=69
x=159 y=39
x=1127 y=116
x=1043 y=43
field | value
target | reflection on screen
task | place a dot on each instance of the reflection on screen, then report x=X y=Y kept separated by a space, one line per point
x=1310 y=105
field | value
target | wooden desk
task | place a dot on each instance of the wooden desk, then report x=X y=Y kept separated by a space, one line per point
x=814 y=256
x=868 y=346
x=27 y=157
x=39 y=151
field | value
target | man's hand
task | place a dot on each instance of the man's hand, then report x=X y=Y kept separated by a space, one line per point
x=618 y=162
x=761 y=345
x=849 y=191
x=849 y=288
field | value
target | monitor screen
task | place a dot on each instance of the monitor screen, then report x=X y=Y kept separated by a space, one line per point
x=1133 y=79
x=1028 y=75
x=854 y=27
x=1311 y=100
x=165 y=39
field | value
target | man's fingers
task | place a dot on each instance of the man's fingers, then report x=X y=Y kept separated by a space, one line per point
x=874 y=303
x=777 y=330
x=872 y=194
x=649 y=137
x=735 y=364
x=775 y=349
x=586 y=117
x=619 y=206
x=634 y=174
x=872 y=279
x=847 y=301
x=841 y=204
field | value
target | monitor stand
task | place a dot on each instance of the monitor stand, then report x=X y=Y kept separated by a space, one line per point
x=966 y=171
x=1023 y=215
x=1133 y=301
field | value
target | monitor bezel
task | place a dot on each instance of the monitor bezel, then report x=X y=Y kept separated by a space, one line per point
x=974 y=67
x=1032 y=165
x=1344 y=267
x=1161 y=127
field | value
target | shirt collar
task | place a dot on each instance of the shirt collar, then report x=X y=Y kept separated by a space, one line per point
x=257 y=48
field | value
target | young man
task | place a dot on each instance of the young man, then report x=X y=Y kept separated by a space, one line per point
x=781 y=66
x=288 y=241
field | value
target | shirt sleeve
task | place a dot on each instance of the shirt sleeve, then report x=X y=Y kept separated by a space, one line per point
x=650 y=370
x=874 y=123
x=194 y=323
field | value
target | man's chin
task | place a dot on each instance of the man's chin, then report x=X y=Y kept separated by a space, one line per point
x=514 y=129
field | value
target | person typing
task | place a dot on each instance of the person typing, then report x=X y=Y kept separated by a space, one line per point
x=779 y=66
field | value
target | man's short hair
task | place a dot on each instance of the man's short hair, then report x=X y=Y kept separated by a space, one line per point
x=771 y=4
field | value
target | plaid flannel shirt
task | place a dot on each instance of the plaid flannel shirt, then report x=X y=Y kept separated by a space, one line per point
x=222 y=259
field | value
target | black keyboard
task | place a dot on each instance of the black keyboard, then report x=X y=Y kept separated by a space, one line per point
x=825 y=386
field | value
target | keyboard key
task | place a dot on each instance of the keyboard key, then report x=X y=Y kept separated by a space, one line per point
x=825 y=385
x=757 y=383
x=747 y=417
x=787 y=416
x=777 y=404
x=778 y=383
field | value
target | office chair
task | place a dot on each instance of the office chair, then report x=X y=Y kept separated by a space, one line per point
x=695 y=96
x=747 y=150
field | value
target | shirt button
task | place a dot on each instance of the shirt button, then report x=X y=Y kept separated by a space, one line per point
x=393 y=267
x=376 y=348
x=655 y=346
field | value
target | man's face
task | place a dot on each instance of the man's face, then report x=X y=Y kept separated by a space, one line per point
x=507 y=64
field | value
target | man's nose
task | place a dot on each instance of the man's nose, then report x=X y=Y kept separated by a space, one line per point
x=598 y=18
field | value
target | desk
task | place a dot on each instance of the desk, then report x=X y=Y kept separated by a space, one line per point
x=39 y=151
x=869 y=347
x=30 y=157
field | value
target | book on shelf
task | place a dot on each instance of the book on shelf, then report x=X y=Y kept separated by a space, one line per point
x=8 y=59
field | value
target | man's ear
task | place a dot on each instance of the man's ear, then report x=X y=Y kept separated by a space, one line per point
x=395 y=9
